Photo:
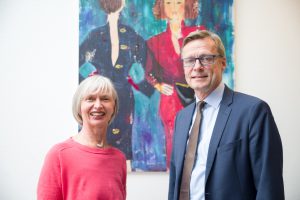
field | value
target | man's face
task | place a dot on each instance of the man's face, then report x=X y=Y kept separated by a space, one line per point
x=203 y=79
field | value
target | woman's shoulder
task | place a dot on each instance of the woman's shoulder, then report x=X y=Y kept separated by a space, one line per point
x=117 y=152
x=55 y=151
x=62 y=145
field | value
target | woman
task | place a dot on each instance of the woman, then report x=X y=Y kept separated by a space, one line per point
x=85 y=166
x=164 y=68
x=111 y=50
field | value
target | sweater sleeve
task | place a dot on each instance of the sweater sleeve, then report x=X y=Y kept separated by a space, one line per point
x=49 y=185
x=124 y=178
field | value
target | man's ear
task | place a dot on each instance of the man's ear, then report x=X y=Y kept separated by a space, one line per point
x=223 y=63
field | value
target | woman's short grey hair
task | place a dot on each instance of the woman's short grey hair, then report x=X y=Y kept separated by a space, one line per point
x=202 y=34
x=90 y=85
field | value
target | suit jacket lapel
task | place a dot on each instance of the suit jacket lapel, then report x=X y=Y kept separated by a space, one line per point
x=221 y=121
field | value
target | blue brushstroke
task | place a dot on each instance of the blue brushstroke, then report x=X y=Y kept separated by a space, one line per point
x=148 y=140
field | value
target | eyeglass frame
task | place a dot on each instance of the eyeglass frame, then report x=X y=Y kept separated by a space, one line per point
x=214 y=56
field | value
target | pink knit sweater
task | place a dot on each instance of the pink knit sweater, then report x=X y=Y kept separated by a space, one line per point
x=73 y=171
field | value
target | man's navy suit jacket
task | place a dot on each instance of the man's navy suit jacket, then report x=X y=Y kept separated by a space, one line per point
x=244 y=159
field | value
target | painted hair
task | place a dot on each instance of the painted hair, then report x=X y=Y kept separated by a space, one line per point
x=110 y=6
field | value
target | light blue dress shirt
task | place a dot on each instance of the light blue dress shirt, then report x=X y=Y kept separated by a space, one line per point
x=209 y=116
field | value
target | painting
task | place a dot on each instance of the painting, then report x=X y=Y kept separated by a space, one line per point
x=136 y=43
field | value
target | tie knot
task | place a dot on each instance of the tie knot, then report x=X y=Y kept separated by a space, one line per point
x=200 y=105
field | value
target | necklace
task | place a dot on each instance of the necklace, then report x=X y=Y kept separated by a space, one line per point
x=81 y=139
x=100 y=145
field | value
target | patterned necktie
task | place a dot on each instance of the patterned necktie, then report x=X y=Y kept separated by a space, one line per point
x=190 y=155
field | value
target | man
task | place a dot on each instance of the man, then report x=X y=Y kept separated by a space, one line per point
x=238 y=149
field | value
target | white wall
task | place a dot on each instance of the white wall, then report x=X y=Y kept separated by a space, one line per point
x=38 y=55
x=268 y=66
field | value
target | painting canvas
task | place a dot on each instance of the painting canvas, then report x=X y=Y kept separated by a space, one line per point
x=136 y=43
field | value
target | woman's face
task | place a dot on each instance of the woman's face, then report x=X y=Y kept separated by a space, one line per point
x=97 y=109
x=174 y=9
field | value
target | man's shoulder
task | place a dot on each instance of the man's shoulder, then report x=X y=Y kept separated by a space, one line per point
x=234 y=96
x=187 y=109
x=242 y=101
x=246 y=98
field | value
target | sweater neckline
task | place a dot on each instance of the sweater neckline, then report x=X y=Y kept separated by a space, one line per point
x=105 y=150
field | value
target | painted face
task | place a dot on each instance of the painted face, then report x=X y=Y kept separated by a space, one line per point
x=97 y=109
x=174 y=9
x=203 y=79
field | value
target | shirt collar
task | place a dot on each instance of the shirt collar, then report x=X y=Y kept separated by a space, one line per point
x=215 y=97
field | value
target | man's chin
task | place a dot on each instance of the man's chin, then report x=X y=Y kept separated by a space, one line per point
x=203 y=89
x=199 y=85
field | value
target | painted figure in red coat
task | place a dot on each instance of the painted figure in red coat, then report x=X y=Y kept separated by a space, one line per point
x=164 y=68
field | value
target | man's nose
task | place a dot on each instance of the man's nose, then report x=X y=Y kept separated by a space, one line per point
x=198 y=65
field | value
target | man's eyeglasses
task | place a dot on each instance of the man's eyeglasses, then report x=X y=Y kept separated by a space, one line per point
x=204 y=60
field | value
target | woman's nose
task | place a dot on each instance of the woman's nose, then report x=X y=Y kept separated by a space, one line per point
x=98 y=103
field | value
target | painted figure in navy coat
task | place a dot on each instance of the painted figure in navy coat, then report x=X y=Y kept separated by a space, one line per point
x=239 y=153
x=111 y=50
